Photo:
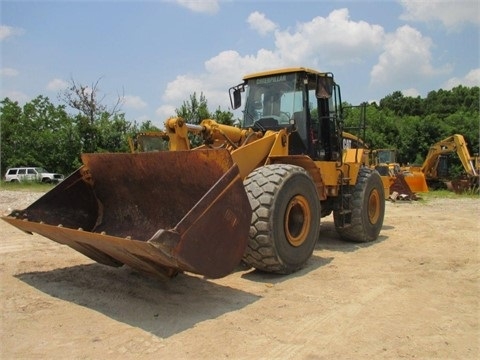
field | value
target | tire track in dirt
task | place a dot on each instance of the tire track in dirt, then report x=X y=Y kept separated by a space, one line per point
x=332 y=334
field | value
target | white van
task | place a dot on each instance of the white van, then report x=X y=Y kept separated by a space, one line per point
x=32 y=174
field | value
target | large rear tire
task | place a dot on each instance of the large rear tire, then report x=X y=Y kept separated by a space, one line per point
x=367 y=206
x=286 y=218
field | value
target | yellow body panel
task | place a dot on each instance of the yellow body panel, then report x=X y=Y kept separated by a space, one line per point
x=354 y=156
x=253 y=155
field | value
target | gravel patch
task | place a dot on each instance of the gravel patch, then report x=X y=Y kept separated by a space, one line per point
x=16 y=200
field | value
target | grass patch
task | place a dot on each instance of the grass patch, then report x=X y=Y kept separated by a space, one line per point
x=447 y=194
x=33 y=186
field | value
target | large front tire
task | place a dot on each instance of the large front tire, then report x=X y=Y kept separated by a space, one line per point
x=367 y=209
x=286 y=218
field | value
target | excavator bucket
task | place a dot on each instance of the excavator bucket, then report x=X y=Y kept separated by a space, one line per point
x=416 y=181
x=158 y=212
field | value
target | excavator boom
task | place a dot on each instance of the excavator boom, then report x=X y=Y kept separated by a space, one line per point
x=437 y=174
x=453 y=144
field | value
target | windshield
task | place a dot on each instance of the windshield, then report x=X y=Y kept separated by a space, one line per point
x=386 y=156
x=273 y=100
x=152 y=143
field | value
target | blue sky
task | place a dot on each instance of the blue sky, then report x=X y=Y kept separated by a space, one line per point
x=154 y=54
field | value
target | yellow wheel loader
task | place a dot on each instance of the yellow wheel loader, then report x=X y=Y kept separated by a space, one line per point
x=253 y=193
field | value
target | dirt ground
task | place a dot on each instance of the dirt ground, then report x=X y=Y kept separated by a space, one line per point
x=413 y=293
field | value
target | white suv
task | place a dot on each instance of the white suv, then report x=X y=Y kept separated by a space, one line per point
x=32 y=174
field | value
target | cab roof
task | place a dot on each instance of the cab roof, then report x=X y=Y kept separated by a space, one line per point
x=282 y=71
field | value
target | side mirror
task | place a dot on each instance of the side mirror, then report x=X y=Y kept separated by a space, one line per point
x=237 y=99
x=236 y=96
x=324 y=87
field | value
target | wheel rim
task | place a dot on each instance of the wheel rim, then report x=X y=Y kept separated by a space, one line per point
x=297 y=220
x=374 y=206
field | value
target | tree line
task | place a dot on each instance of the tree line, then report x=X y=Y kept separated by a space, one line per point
x=40 y=133
x=412 y=124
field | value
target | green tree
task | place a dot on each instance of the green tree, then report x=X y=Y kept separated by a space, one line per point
x=39 y=134
x=94 y=119
x=42 y=134
x=145 y=126
x=394 y=102
x=375 y=126
x=10 y=132
x=112 y=133
x=223 y=117
x=194 y=110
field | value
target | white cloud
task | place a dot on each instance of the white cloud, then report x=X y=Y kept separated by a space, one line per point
x=14 y=95
x=472 y=78
x=201 y=6
x=342 y=40
x=164 y=112
x=212 y=85
x=57 y=85
x=182 y=85
x=134 y=102
x=9 y=31
x=8 y=72
x=452 y=13
x=222 y=71
x=231 y=65
x=406 y=59
x=260 y=23
x=412 y=92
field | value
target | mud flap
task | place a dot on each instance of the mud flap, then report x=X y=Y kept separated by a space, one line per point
x=159 y=212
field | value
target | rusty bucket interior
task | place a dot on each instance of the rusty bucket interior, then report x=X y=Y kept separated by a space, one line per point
x=158 y=212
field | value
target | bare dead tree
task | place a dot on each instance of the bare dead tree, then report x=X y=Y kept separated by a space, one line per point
x=90 y=103
x=88 y=100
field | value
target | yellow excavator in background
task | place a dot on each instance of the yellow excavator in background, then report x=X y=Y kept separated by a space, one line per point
x=405 y=181
x=397 y=181
x=253 y=194
x=435 y=166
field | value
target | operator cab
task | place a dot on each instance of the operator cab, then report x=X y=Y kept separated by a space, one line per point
x=305 y=102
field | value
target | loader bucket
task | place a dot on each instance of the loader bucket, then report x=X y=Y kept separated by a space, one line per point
x=158 y=212
x=400 y=186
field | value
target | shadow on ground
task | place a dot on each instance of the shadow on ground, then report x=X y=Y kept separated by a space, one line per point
x=163 y=308
x=330 y=239
x=312 y=264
